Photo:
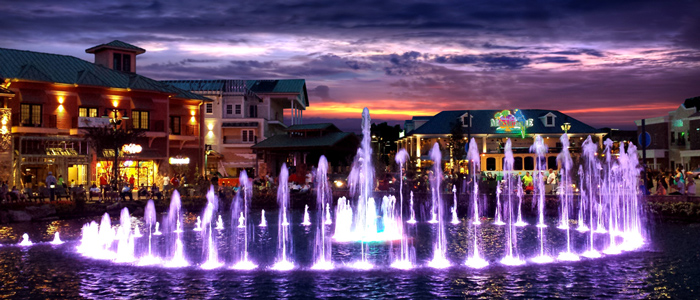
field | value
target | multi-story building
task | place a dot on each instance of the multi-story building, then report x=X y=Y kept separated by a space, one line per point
x=243 y=113
x=490 y=129
x=56 y=96
x=672 y=139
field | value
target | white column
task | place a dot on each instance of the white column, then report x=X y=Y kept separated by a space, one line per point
x=301 y=117
x=292 y=111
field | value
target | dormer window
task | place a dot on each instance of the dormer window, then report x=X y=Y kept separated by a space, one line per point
x=466 y=120
x=122 y=62
x=549 y=119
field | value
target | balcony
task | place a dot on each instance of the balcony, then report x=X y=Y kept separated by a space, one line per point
x=48 y=125
x=236 y=141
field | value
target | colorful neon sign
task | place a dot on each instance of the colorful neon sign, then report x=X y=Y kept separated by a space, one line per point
x=507 y=122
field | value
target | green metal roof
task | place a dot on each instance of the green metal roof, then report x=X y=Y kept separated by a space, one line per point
x=318 y=126
x=117 y=44
x=55 y=68
x=284 y=141
x=282 y=86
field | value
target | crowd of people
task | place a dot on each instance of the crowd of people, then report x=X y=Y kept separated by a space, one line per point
x=666 y=182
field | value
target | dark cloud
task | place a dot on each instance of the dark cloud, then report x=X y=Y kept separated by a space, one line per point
x=557 y=60
x=321 y=91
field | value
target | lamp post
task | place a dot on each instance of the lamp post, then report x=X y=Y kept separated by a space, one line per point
x=566 y=127
x=207 y=151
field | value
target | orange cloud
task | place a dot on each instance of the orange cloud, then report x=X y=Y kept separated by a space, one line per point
x=378 y=109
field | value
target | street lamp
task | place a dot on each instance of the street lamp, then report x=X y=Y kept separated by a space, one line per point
x=207 y=151
x=114 y=121
x=566 y=127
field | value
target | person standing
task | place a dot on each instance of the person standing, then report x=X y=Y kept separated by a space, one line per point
x=51 y=184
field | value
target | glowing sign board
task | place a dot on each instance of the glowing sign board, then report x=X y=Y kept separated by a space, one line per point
x=179 y=160
x=507 y=122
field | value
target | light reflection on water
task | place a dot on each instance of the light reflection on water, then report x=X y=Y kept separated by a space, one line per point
x=667 y=269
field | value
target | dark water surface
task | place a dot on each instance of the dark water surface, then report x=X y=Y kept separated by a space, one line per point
x=668 y=267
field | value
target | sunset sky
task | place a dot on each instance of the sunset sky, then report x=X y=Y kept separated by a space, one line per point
x=606 y=63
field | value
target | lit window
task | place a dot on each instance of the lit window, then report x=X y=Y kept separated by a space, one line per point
x=31 y=114
x=87 y=112
x=140 y=119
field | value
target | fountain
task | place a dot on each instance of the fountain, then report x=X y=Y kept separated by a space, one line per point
x=209 y=239
x=453 y=209
x=198 y=224
x=475 y=260
x=157 y=231
x=406 y=258
x=56 y=239
x=220 y=223
x=263 y=222
x=149 y=218
x=284 y=238
x=240 y=234
x=540 y=149
x=412 y=219
x=25 y=241
x=307 y=221
x=609 y=205
x=439 y=260
x=565 y=198
x=512 y=257
x=322 y=243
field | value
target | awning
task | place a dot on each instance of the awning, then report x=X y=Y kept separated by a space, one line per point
x=92 y=100
x=142 y=103
x=33 y=96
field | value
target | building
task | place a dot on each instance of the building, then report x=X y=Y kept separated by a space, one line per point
x=672 y=139
x=243 y=113
x=56 y=96
x=490 y=129
x=301 y=146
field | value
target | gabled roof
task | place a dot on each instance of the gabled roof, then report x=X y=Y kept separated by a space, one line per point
x=481 y=122
x=116 y=44
x=54 y=68
x=284 y=141
x=313 y=127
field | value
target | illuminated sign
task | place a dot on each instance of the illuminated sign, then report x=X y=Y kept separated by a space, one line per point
x=179 y=160
x=507 y=122
x=132 y=149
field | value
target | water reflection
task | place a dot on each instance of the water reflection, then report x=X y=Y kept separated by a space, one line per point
x=668 y=270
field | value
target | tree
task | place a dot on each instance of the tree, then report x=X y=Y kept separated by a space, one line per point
x=457 y=141
x=103 y=138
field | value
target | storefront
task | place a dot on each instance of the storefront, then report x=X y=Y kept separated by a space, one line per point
x=63 y=156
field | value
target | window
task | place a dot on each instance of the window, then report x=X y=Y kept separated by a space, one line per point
x=175 y=125
x=140 y=119
x=126 y=62
x=117 y=62
x=248 y=136
x=87 y=112
x=210 y=108
x=550 y=120
x=518 y=163
x=467 y=120
x=238 y=109
x=529 y=163
x=491 y=164
x=253 y=110
x=229 y=109
x=552 y=162
x=31 y=114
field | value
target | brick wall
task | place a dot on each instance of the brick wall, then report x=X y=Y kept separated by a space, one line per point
x=659 y=135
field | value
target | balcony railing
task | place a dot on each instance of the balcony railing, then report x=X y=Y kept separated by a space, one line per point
x=236 y=139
